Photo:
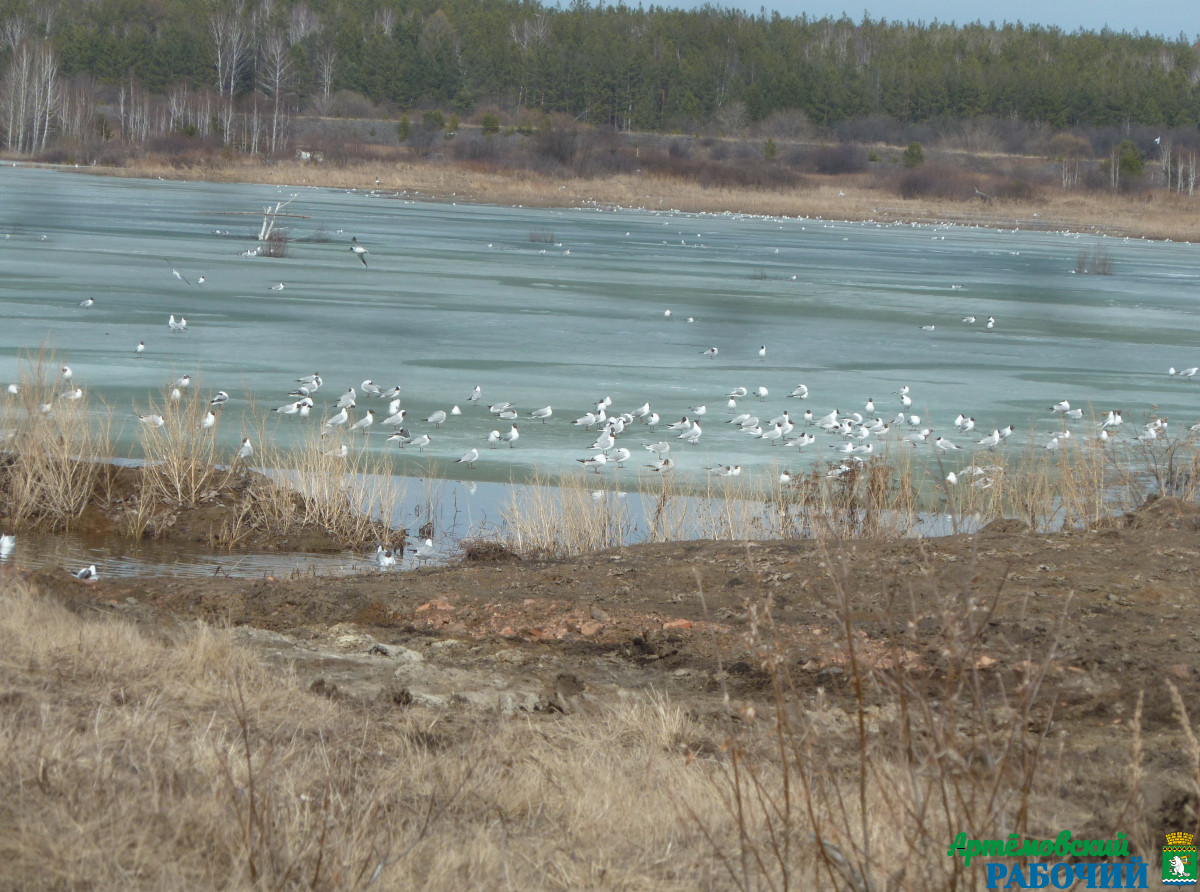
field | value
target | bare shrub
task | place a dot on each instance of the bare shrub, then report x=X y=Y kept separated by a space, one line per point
x=841 y=158
x=276 y=244
x=936 y=181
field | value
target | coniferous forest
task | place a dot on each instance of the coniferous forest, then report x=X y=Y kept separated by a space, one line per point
x=241 y=74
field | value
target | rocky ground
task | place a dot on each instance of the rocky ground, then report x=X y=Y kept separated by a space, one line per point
x=1111 y=612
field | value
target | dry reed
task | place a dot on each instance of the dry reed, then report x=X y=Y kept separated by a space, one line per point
x=56 y=446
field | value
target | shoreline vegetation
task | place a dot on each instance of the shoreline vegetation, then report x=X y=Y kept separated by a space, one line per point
x=56 y=473
x=1147 y=214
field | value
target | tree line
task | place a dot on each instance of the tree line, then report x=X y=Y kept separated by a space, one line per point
x=237 y=69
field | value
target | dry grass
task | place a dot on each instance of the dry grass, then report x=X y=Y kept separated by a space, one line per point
x=897 y=494
x=176 y=761
x=837 y=197
x=129 y=762
x=54 y=465
x=353 y=499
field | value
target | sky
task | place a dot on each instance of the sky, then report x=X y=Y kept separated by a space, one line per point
x=1166 y=18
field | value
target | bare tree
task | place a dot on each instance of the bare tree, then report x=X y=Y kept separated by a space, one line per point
x=13 y=31
x=275 y=76
x=30 y=96
x=231 y=43
x=302 y=22
x=326 y=60
x=385 y=19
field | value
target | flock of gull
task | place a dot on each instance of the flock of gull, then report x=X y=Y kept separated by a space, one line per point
x=731 y=421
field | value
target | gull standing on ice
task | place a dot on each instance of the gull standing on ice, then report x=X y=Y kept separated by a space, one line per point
x=87 y=302
x=437 y=418
x=469 y=457
x=512 y=436
x=542 y=413
x=493 y=439
x=363 y=423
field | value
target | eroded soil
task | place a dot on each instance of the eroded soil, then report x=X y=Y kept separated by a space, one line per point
x=1111 y=613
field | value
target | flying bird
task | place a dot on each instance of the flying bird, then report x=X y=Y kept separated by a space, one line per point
x=359 y=251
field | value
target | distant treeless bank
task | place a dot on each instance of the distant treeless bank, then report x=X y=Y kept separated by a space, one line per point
x=1146 y=214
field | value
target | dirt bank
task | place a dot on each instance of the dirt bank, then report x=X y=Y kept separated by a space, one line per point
x=1111 y=613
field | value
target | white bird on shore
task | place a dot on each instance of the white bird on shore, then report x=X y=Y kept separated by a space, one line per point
x=424 y=551
x=385 y=559
x=437 y=418
x=220 y=399
x=420 y=442
x=762 y=352
x=497 y=408
x=151 y=420
x=493 y=439
x=512 y=436
x=661 y=465
x=944 y=445
x=737 y=393
x=370 y=388
x=278 y=287
x=620 y=456
x=692 y=436
x=469 y=457
x=7 y=543
x=88 y=302
x=761 y=393
x=341 y=452
x=76 y=394
x=140 y=348
x=340 y=418
x=346 y=400
x=543 y=413
x=596 y=462
x=363 y=423
x=991 y=440
x=246 y=449
x=392 y=394
x=800 y=392
x=1059 y=408
x=66 y=373
x=88 y=574
x=176 y=394
x=661 y=448
x=395 y=418
x=475 y=394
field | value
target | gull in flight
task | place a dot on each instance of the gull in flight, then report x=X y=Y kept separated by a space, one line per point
x=359 y=251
